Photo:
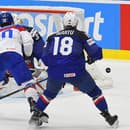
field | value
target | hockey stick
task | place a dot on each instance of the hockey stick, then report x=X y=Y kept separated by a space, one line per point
x=40 y=86
x=21 y=89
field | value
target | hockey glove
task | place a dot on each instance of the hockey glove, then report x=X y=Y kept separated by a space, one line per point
x=90 y=60
x=5 y=80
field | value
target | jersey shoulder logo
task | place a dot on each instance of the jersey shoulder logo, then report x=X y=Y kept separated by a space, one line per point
x=90 y=41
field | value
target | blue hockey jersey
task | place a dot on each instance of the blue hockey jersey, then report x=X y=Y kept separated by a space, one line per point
x=64 y=53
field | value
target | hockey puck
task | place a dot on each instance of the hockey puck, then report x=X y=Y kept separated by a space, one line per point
x=108 y=70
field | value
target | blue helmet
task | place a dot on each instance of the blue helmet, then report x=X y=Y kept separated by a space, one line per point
x=6 y=19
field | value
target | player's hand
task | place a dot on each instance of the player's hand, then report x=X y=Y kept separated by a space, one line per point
x=90 y=60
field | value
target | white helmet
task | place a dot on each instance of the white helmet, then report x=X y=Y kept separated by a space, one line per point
x=17 y=19
x=70 y=19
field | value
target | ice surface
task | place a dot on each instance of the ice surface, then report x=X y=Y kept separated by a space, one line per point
x=74 y=110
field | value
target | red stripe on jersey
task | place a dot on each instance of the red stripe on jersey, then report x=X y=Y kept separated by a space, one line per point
x=20 y=28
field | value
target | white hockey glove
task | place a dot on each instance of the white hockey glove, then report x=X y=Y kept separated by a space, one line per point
x=39 y=65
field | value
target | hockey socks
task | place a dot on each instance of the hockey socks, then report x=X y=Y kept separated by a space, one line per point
x=42 y=102
x=101 y=103
x=45 y=99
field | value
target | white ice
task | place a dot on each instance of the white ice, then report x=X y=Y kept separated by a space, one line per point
x=74 y=110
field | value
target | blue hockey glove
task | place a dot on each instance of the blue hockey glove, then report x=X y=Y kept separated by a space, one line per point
x=90 y=60
x=5 y=80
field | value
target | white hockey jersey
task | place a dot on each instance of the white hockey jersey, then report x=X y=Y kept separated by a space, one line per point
x=13 y=37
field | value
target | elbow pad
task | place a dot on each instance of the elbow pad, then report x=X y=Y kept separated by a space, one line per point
x=27 y=43
x=28 y=48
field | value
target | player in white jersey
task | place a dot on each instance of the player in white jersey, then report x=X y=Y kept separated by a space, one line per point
x=65 y=59
x=12 y=38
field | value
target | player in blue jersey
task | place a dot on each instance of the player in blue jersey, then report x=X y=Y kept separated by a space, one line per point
x=64 y=56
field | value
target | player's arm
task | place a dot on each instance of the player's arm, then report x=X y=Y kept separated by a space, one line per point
x=94 y=52
x=38 y=42
x=27 y=43
x=35 y=34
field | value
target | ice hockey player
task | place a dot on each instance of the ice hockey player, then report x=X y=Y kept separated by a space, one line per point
x=34 y=60
x=100 y=79
x=12 y=39
x=65 y=59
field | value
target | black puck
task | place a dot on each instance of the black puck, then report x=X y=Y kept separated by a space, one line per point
x=108 y=70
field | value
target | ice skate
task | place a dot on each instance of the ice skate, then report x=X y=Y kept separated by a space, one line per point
x=111 y=120
x=38 y=117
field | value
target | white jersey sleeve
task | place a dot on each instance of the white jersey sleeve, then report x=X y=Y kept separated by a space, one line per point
x=27 y=42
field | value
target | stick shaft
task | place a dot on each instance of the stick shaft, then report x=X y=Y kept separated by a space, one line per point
x=21 y=89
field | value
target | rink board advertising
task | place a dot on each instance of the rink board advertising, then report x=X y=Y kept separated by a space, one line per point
x=107 y=23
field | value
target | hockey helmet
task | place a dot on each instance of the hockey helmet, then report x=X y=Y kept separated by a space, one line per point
x=6 y=19
x=70 y=19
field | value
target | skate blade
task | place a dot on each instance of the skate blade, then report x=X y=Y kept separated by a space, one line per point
x=35 y=123
x=116 y=124
x=32 y=124
x=44 y=119
x=38 y=122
